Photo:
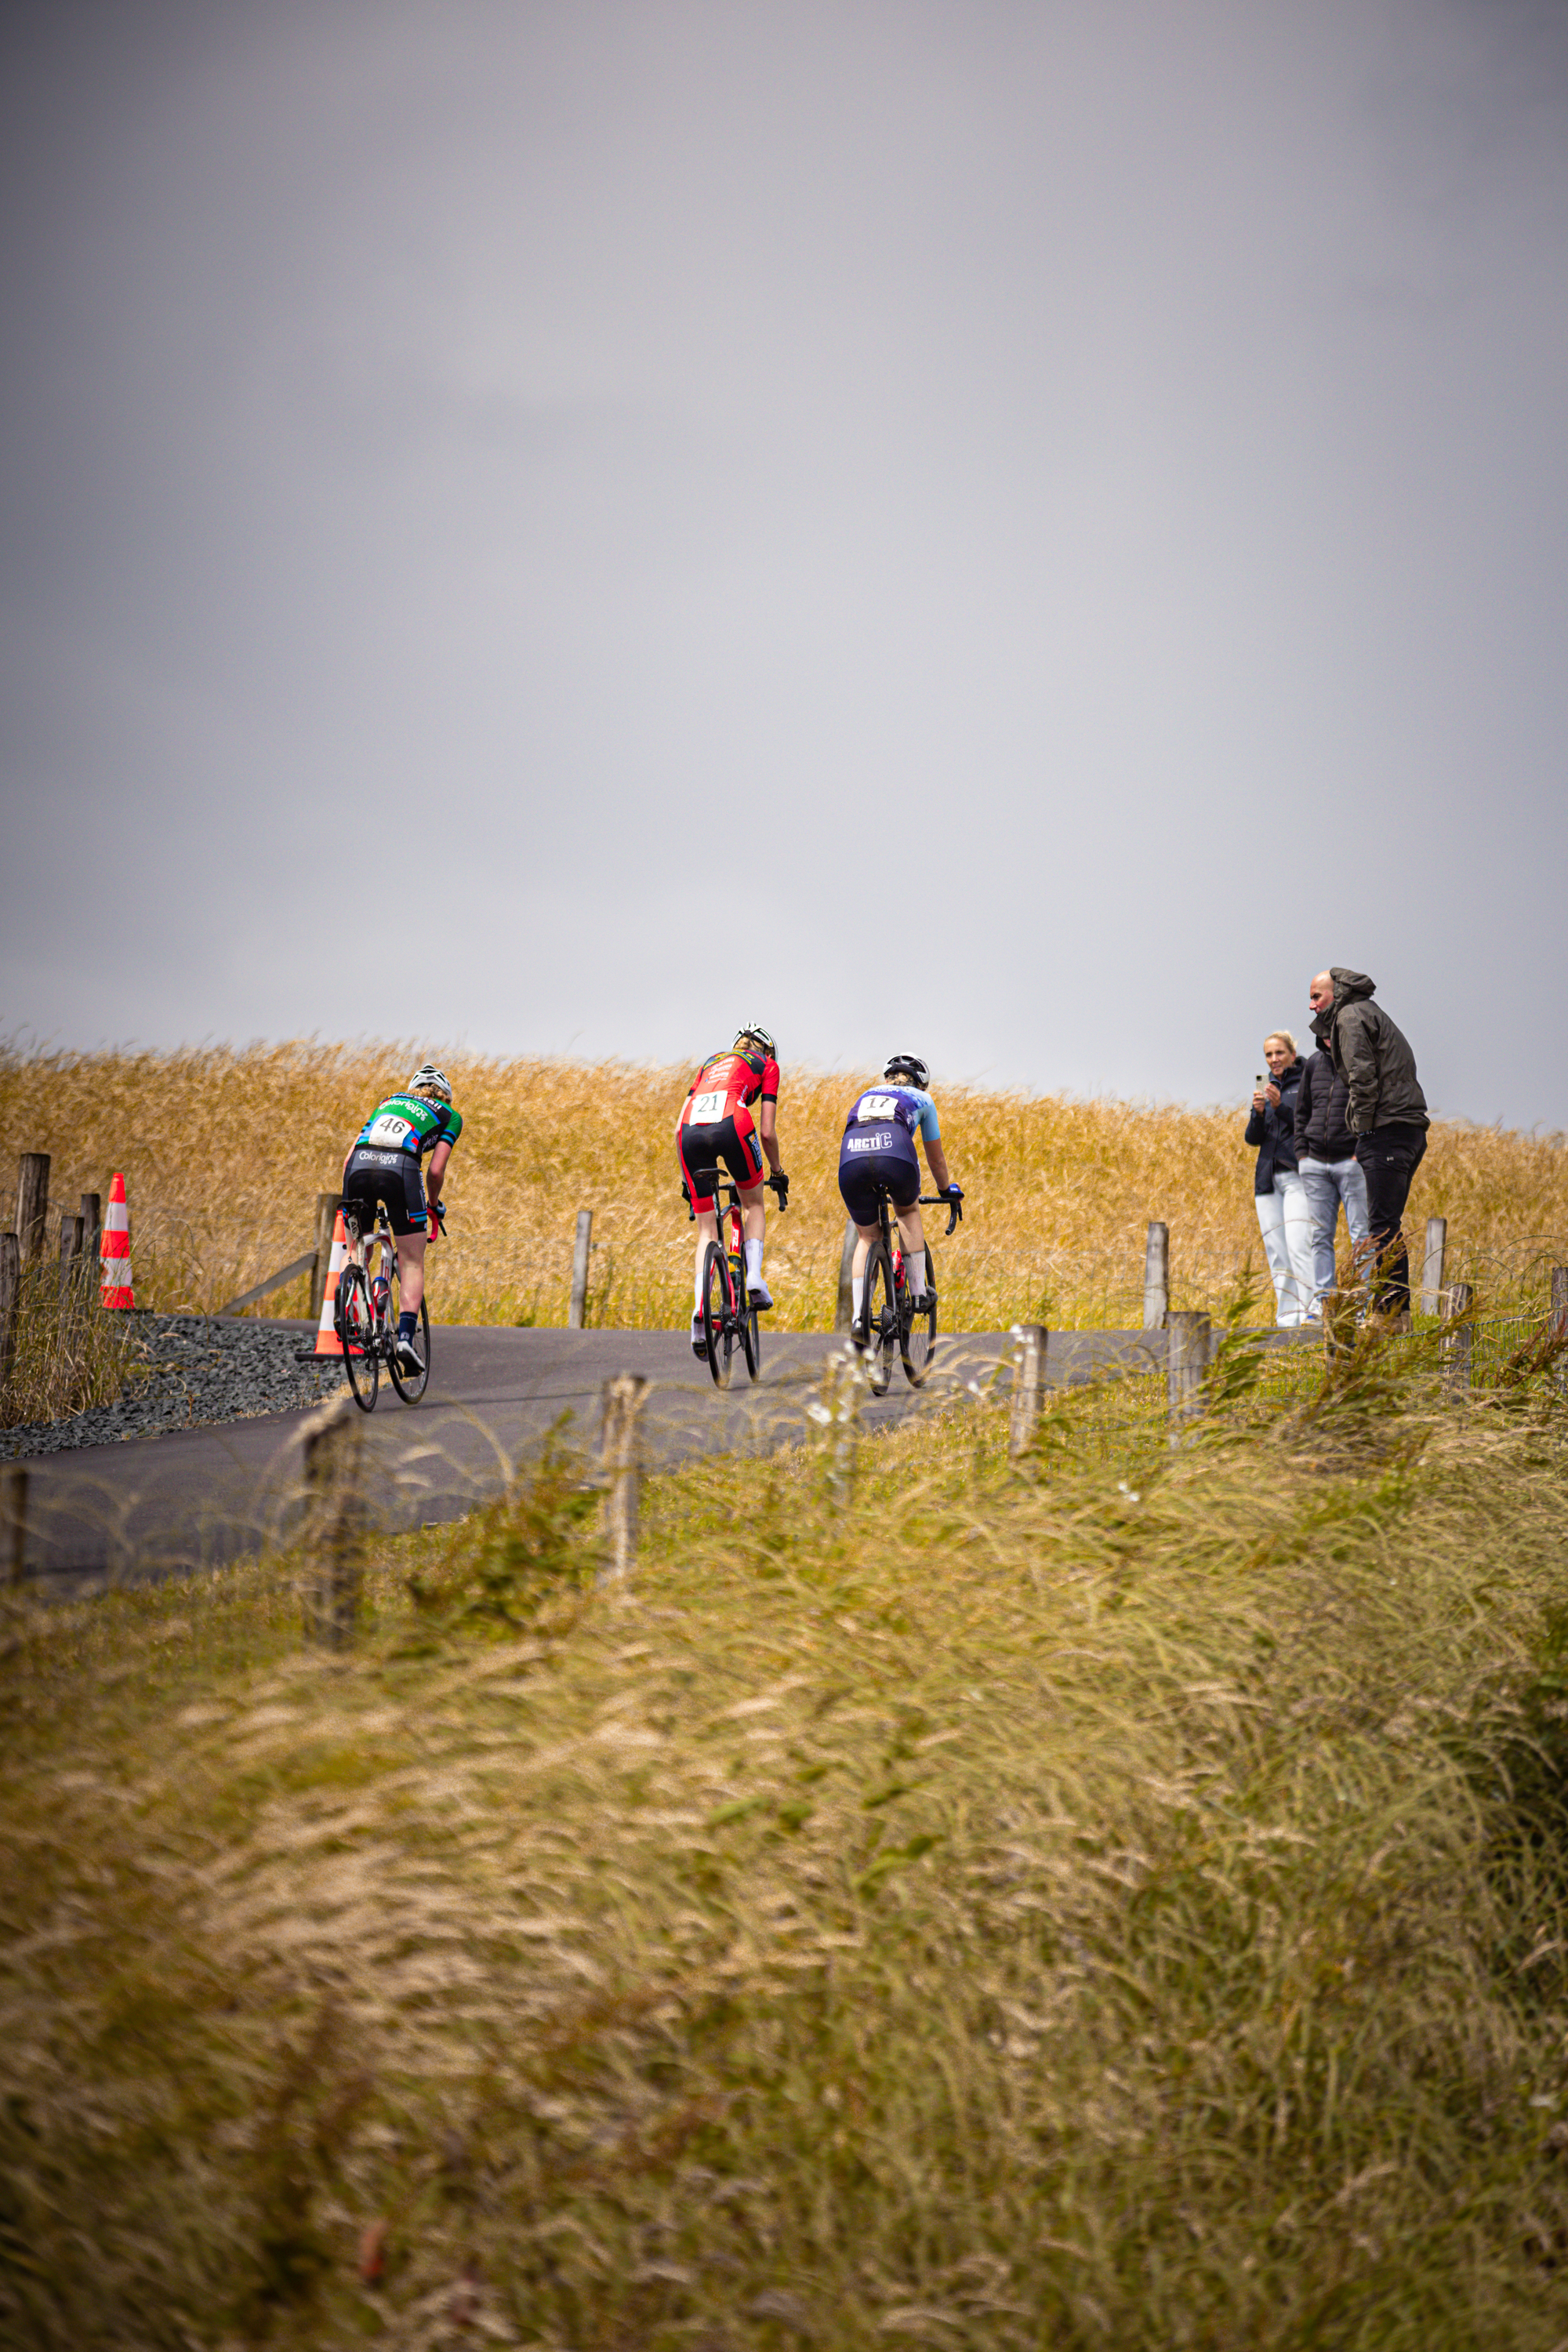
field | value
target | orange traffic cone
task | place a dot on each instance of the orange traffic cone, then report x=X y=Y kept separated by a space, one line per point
x=117 y=1283
x=327 y=1341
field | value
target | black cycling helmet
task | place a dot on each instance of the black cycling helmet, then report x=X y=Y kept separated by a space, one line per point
x=910 y=1066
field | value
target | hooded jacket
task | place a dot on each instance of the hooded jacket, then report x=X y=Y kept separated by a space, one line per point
x=1371 y=1056
x=1273 y=1130
x=1322 y=1126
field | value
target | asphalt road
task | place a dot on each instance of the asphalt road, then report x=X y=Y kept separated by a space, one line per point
x=202 y=1496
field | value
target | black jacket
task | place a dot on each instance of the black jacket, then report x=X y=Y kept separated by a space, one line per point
x=1373 y=1057
x=1273 y=1130
x=1322 y=1116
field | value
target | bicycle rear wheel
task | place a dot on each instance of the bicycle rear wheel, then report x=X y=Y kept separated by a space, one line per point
x=411 y=1386
x=750 y=1335
x=718 y=1317
x=917 y=1327
x=881 y=1319
x=356 y=1327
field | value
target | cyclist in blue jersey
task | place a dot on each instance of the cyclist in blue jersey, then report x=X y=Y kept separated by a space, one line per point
x=383 y=1167
x=878 y=1147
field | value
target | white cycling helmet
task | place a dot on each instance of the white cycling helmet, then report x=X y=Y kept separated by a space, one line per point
x=758 y=1035
x=428 y=1080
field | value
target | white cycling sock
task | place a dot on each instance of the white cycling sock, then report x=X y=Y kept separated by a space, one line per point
x=857 y=1295
x=753 y=1261
x=915 y=1267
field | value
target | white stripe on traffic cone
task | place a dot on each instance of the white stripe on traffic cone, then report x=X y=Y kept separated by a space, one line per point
x=117 y=1284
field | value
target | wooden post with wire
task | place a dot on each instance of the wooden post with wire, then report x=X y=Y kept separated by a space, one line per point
x=32 y=1202
x=1458 y=1339
x=1432 y=1266
x=621 y=1466
x=10 y=1295
x=327 y=1207
x=844 y=1310
x=1186 y=1366
x=334 y=1520
x=1157 y=1278
x=1339 y=1326
x=89 y=1270
x=1028 y=1389
x=70 y=1254
x=577 y=1311
x=13 y=1517
x=1557 y=1325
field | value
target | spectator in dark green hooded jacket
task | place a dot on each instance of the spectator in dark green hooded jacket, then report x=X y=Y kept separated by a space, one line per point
x=1386 y=1111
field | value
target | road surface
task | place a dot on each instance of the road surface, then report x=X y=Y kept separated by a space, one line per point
x=202 y=1496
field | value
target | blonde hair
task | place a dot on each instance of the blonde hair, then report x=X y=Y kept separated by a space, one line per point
x=1280 y=1037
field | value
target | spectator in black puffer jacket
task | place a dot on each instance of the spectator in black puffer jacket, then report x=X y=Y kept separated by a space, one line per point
x=1326 y=1160
x=1284 y=1218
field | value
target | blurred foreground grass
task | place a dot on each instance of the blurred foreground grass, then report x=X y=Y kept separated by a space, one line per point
x=225 y=1152
x=1121 y=1902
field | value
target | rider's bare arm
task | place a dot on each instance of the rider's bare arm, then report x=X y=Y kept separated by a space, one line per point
x=433 y=1175
x=937 y=1159
x=767 y=1127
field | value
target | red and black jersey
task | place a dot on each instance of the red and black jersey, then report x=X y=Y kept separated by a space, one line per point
x=727 y=1083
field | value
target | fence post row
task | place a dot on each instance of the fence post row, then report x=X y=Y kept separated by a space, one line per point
x=1028 y=1384
x=32 y=1202
x=1432 y=1266
x=327 y=1207
x=621 y=1463
x=1157 y=1278
x=334 y=1520
x=844 y=1312
x=1458 y=1346
x=1186 y=1364
x=579 y=1306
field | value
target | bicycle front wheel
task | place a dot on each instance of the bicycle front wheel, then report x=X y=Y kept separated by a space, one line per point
x=411 y=1386
x=356 y=1328
x=719 y=1318
x=881 y=1319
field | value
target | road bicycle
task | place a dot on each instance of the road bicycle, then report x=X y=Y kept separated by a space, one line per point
x=893 y=1316
x=369 y=1302
x=728 y=1318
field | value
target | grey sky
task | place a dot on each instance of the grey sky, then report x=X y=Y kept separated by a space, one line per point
x=1015 y=532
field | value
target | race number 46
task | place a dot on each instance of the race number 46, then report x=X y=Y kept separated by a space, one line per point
x=390 y=1129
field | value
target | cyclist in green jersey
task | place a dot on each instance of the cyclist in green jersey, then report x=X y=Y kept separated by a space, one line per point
x=384 y=1165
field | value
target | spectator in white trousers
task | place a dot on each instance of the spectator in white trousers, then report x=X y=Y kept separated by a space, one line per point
x=1325 y=1157
x=1284 y=1216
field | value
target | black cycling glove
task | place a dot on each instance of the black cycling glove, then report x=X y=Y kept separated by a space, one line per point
x=779 y=1182
x=956 y=1200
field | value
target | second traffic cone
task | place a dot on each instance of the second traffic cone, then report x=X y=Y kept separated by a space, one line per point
x=117 y=1288
x=327 y=1341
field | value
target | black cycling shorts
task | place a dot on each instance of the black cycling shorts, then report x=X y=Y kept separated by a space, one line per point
x=870 y=1157
x=699 y=1151
x=390 y=1176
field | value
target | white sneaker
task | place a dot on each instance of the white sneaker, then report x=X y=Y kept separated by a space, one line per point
x=408 y=1357
x=757 y=1291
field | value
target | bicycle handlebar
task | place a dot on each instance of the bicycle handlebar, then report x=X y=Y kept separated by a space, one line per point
x=943 y=1200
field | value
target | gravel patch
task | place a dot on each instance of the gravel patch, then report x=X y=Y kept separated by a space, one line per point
x=200 y=1370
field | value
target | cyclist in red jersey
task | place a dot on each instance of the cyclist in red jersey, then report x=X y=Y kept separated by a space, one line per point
x=715 y=1125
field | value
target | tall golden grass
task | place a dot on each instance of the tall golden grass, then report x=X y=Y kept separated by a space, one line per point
x=225 y=1150
x=1026 y=1907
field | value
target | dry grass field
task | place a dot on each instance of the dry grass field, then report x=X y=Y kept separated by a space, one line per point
x=1119 y=1901
x=223 y=1152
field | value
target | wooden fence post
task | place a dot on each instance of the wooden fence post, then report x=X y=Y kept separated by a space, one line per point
x=1028 y=1385
x=13 y=1517
x=1186 y=1364
x=621 y=1463
x=1458 y=1339
x=1339 y=1325
x=334 y=1446
x=10 y=1292
x=844 y=1311
x=1157 y=1278
x=836 y=1413
x=578 y=1308
x=327 y=1207
x=1558 y=1322
x=90 y=1273
x=32 y=1202
x=70 y=1254
x=1432 y=1266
